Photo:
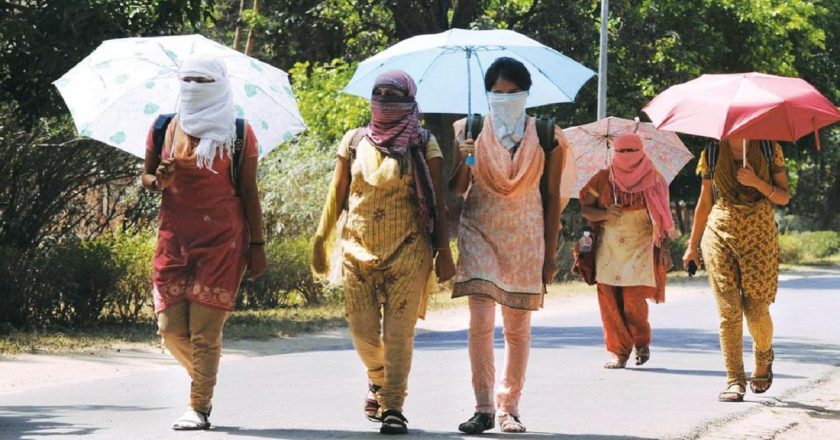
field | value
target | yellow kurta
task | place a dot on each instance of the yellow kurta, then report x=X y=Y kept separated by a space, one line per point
x=387 y=255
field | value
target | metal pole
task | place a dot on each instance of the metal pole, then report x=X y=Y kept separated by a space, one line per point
x=602 y=64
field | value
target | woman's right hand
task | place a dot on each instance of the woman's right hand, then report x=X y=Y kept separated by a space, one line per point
x=466 y=148
x=614 y=211
x=165 y=173
x=690 y=255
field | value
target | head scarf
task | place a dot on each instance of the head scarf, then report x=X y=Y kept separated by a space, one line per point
x=395 y=120
x=507 y=110
x=634 y=174
x=206 y=109
x=395 y=131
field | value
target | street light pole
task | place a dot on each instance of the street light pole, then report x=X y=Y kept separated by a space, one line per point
x=602 y=63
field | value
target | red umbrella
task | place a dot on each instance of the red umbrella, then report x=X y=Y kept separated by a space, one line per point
x=743 y=105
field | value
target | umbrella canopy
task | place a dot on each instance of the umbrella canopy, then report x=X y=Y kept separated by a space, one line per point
x=449 y=69
x=743 y=105
x=592 y=147
x=116 y=92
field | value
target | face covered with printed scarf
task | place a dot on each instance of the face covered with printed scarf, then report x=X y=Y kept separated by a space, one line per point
x=395 y=117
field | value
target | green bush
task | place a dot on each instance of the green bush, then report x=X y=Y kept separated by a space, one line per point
x=76 y=280
x=677 y=248
x=287 y=280
x=820 y=244
x=133 y=253
x=790 y=249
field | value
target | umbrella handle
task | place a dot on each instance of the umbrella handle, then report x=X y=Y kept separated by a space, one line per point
x=744 y=154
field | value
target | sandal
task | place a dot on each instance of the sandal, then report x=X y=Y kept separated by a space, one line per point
x=371 y=404
x=510 y=423
x=615 y=364
x=768 y=379
x=642 y=355
x=192 y=420
x=478 y=423
x=733 y=393
x=393 y=422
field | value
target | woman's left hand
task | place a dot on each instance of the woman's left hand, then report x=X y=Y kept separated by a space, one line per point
x=444 y=266
x=549 y=270
x=256 y=262
x=747 y=177
x=665 y=259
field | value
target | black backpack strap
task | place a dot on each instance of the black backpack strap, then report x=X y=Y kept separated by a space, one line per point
x=767 y=150
x=238 y=148
x=159 y=131
x=712 y=150
x=473 y=126
x=545 y=132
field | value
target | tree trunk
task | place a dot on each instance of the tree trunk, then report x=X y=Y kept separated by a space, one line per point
x=237 y=36
x=249 y=46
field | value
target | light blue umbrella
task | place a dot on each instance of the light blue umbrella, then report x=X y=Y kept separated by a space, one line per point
x=449 y=69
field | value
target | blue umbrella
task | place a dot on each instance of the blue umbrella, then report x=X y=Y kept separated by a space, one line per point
x=449 y=69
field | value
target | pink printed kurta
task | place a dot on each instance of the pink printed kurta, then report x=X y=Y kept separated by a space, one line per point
x=501 y=244
x=203 y=236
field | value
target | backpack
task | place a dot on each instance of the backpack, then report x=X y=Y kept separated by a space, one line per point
x=712 y=155
x=545 y=132
x=159 y=135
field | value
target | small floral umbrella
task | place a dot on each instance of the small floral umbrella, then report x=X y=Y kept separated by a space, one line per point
x=116 y=92
x=592 y=147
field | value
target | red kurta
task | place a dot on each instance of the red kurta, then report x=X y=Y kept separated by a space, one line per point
x=203 y=236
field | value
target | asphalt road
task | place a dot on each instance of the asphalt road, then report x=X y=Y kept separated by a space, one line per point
x=318 y=393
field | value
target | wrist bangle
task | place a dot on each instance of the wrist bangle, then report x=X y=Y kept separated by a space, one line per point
x=772 y=191
x=257 y=243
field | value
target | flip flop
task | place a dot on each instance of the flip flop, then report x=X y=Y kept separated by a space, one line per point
x=768 y=379
x=192 y=420
x=731 y=395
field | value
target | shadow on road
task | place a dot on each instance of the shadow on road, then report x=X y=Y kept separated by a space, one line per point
x=677 y=340
x=818 y=281
x=20 y=421
x=317 y=433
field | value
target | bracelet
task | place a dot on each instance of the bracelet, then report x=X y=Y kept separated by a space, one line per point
x=772 y=191
x=257 y=243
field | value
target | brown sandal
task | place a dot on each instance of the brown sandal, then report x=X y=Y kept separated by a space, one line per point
x=767 y=378
x=642 y=355
x=730 y=395
x=371 y=404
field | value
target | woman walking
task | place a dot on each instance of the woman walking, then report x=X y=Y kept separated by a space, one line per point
x=210 y=226
x=629 y=203
x=508 y=236
x=735 y=226
x=387 y=179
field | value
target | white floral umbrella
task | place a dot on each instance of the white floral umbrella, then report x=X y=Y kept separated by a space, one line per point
x=116 y=92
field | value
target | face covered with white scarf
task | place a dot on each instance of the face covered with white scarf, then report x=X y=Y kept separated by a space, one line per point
x=507 y=111
x=206 y=108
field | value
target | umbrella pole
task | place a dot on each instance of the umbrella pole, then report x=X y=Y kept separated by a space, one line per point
x=470 y=160
x=744 y=154
x=469 y=94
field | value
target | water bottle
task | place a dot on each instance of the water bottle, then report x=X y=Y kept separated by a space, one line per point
x=585 y=242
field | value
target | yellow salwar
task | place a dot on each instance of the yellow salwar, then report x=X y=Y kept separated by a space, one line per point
x=740 y=247
x=192 y=332
x=386 y=268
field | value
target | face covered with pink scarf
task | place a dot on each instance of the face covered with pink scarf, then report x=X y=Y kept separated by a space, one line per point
x=633 y=173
